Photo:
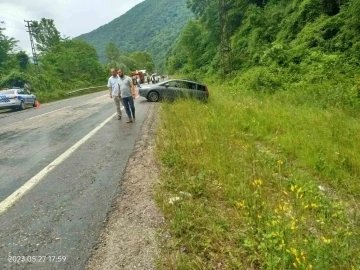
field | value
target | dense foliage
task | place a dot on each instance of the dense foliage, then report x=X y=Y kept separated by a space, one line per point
x=267 y=177
x=46 y=35
x=128 y=62
x=151 y=26
x=63 y=64
x=309 y=47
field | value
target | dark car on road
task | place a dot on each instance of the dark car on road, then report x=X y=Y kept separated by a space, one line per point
x=172 y=89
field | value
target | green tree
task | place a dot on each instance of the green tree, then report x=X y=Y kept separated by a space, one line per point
x=46 y=35
x=143 y=60
x=112 y=52
x=7 y=46
x=192 y=51
x=73 y=60
x=22 y=59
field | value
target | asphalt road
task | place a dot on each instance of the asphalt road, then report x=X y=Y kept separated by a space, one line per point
x=61 y=216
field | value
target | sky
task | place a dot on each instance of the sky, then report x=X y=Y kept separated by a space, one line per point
x=72 y=17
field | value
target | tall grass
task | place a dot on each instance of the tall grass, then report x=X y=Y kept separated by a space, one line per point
x=252 y=182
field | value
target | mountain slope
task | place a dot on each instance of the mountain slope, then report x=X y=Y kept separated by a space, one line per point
x=152 y=26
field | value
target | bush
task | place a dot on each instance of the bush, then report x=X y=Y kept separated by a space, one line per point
x=260 y=79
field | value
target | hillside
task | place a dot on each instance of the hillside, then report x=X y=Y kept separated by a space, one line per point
x=266 y=175
x=152 y=26
x=308 y=47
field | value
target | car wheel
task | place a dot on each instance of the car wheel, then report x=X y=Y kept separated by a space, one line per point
x=34 y=104
x=22 y=106
x=153 y=96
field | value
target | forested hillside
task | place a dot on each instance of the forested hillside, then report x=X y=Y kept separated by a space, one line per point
x=299 y=45
x=265 y=175
x=152 y=26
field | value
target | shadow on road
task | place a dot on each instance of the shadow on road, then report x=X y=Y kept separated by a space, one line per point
x=8 y=112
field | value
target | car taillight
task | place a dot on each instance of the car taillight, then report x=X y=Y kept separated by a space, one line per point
x=11 y=97
x=206 y=90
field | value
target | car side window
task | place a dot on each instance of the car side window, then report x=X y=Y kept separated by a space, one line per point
x=192 y=86
x=201 y=87
x=184 y=85
x=174 y=84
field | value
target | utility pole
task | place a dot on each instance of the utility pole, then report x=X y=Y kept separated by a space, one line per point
x=226 y=61
x=32 y=46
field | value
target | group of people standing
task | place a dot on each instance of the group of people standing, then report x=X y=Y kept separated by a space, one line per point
x=154 y=79
x=122 y=91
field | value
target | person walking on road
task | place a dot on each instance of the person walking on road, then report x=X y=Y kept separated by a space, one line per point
x=138 y=82
x=113 y=85
x=127 y=90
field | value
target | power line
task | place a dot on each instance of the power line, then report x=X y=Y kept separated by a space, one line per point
x=7 y=26
x=17 y=23
x=12 y=15
x=11 y=19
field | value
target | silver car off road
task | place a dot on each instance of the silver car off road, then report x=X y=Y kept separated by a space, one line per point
x=16 y=99
x=172 y=89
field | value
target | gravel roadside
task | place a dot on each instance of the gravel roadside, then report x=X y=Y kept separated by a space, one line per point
x=128 y=240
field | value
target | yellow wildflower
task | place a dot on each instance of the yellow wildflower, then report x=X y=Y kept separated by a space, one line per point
x=282 y=244
x=241 y=204
x=326 y=240
x=314 y=205
x=303 y=256
x=257 y=183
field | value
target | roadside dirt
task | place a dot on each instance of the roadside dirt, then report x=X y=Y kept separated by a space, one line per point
x=128 y=240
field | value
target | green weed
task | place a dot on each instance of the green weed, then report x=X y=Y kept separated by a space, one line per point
x=260 y=183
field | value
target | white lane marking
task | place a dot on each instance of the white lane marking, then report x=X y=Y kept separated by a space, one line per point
x=19 y=193
x=48 y=113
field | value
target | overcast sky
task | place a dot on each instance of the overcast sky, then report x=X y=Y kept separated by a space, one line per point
x=72 y=17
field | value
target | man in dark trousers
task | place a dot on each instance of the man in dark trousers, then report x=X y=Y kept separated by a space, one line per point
x=127 y=90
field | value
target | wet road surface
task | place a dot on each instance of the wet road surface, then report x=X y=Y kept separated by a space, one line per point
x=56 y=223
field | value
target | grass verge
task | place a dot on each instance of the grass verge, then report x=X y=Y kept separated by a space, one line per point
x=252 y=182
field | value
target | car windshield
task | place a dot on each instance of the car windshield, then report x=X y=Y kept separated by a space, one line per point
x=7 y=92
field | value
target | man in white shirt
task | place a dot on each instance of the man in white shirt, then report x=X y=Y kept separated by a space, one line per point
x=114 y=88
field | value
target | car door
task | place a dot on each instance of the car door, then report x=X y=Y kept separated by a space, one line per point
x=183 y=89
x=191 y=90
x=201 y=91
x=166 y=90
x=24 y=96
x=21 y=95
x=171 y=90
x=28 y=97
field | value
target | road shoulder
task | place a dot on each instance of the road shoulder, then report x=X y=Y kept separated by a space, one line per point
x=128 y=240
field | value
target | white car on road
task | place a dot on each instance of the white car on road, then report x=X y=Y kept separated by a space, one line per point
x=16 y=99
